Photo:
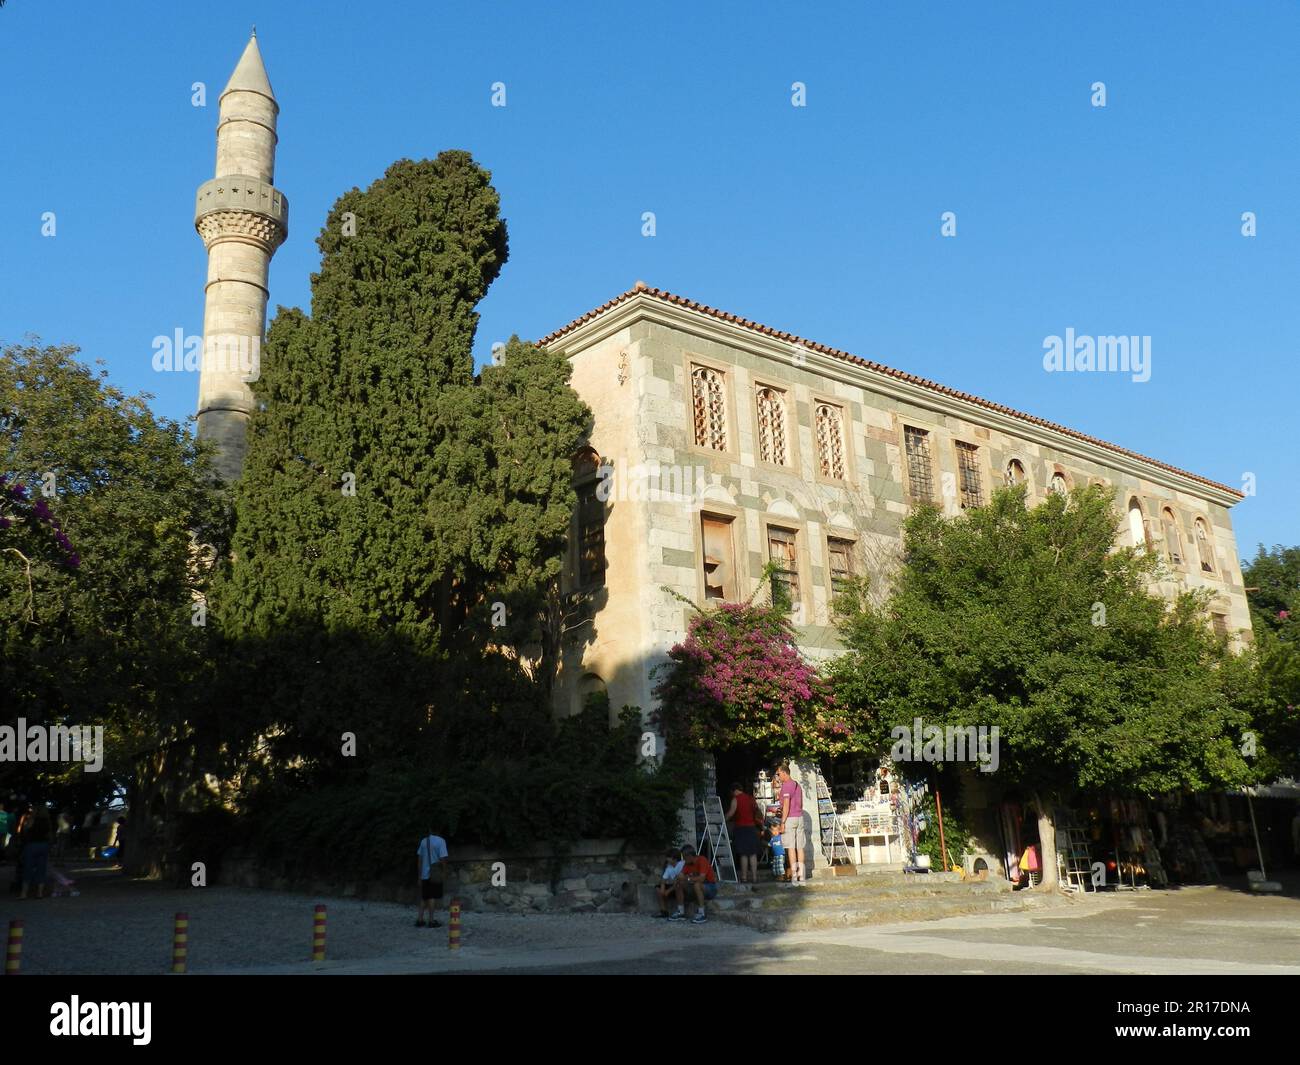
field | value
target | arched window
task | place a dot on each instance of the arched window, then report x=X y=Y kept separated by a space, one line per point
x=586 y=463
x=1137 y=524
x=1015 y=473
x=1058 y=485
x=1173 y=542
x=771 y=427
x=830 y=441
x=1205 y=545
x=710 y=408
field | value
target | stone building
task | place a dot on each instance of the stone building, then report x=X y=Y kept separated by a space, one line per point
x=720 y=444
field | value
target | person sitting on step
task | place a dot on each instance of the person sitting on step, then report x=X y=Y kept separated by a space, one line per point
x=698 y=875
x=667 y=886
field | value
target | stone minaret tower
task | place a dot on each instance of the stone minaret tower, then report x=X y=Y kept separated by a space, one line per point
x=242 y=219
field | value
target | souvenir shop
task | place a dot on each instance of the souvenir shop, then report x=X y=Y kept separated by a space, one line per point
x=1125 y=843
x=861 y=810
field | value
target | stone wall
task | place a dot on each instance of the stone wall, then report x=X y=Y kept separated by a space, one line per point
x=594 y=876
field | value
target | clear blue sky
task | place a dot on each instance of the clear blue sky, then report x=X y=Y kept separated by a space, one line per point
x=823 y=220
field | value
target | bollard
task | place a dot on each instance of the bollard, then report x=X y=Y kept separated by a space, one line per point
x=318 y=934
x=180 y=942
x=453 y=925
x=14 y=949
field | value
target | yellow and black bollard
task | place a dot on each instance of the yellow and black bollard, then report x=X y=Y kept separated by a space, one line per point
x=453 y=925
x=318 y=934
x=180 y=942
x=14 y=949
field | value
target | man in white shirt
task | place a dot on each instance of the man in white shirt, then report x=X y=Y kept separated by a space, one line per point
x=429 y=856
x=667 y=886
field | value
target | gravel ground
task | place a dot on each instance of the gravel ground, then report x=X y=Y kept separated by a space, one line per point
x=121 y=926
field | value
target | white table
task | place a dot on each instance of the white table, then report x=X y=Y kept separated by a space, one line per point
x=857 y=839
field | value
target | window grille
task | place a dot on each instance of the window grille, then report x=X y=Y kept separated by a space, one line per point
x=830 y=441
x=972 y=491
x=710 y=409
x=920 y=479
x=771 y=427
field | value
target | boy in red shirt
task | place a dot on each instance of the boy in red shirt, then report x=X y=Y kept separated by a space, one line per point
x=697 y=871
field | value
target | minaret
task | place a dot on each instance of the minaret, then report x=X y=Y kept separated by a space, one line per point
x=242 y=219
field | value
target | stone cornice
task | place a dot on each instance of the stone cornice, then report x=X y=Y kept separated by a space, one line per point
x=647 y=305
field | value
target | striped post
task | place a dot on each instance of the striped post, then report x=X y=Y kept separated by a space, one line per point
x=14 y=949
x=180 y=942
x=453 y=925
x=318 y=934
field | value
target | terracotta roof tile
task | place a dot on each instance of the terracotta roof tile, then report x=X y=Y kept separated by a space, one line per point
x=642 y=289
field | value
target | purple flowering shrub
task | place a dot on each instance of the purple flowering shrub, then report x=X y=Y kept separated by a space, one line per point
x=16 y=508
x=739 y=678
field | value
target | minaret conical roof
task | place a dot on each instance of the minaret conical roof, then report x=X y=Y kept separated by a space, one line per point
x=250 y=73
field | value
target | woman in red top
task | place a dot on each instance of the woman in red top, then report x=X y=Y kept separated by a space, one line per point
x=743 y=813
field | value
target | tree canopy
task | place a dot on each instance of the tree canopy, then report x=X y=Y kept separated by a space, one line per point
x=98 y=503
x=1031 y=620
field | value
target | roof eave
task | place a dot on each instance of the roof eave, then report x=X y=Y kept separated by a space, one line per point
x=676 y=312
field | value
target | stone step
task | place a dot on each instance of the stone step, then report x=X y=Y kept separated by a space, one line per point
x=878 y=885
x=883 y=911
x=809 y=898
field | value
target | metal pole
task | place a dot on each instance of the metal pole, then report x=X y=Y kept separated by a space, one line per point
x=1250 y=804
x=938 y=809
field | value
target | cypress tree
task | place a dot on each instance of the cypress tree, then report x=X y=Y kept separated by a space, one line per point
x=388 y=494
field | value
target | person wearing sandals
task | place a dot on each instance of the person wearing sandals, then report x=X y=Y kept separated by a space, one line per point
x=429 y=856
x=743 y=813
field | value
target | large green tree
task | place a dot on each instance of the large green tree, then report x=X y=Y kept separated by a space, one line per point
x=391 y=497
x=96 y=580
x=1031 y=620
x=1273 y=590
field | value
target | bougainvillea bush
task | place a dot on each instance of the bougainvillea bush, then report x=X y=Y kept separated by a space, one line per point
x=739 y=679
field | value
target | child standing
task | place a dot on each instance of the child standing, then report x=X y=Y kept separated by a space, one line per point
x=778 y=855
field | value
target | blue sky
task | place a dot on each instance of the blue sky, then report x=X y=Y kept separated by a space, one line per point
x=822 y=220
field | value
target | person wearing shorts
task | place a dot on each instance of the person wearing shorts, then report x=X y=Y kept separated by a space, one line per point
x=697 y=874
x=429 y=856
x=792 y=830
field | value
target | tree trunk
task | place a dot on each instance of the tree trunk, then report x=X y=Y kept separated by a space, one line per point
x=1046 y=843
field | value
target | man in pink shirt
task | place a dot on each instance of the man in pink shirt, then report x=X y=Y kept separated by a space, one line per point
x=792 y=830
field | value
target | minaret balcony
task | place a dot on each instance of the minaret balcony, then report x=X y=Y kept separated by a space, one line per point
x=222 y=199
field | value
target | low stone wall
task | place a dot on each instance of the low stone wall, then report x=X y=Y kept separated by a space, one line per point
x=593 y=876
